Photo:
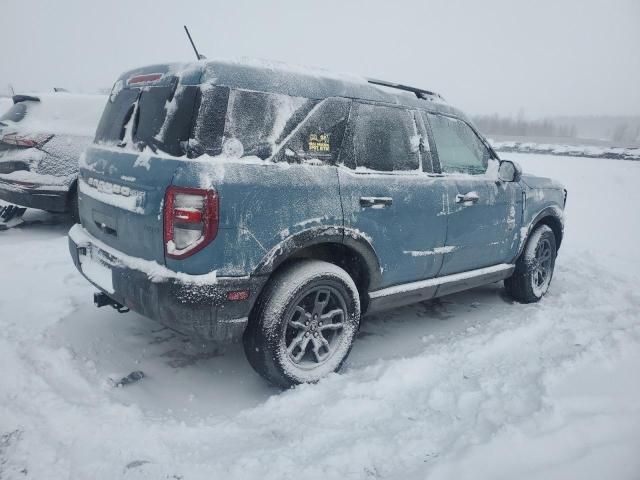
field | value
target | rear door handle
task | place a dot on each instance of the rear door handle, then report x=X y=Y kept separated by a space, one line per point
x=472 y=197
x=379 y=202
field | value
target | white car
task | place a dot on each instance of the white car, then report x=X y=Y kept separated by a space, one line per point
x=41 y=139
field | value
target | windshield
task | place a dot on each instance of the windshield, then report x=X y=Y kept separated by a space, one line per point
x=156 y=117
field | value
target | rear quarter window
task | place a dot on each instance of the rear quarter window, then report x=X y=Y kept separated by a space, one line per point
x=259 y=121
x=318 y=137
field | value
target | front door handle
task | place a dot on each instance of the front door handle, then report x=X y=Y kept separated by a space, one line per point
x=375 y=202
x=472 y=197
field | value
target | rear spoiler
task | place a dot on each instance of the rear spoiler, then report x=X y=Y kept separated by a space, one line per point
x=24 y=98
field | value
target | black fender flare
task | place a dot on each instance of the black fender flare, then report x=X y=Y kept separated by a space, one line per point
x=324 y=234
x=551 y=211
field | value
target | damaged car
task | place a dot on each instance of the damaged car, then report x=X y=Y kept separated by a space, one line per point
x=275 y=205
x=41 y=139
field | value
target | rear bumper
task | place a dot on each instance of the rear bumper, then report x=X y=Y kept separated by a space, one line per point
x=52 y=199
x=194 y=305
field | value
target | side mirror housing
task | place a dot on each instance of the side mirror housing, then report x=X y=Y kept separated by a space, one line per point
x=509 y=171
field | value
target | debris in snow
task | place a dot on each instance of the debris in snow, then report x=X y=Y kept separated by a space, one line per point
x=10 y=216
x=136 y=464
x=131 y=378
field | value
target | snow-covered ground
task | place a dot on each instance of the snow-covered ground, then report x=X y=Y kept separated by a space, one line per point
x=468 y=386
x=572 y=150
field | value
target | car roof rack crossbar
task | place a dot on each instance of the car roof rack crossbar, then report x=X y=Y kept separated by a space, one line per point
x=420 y=93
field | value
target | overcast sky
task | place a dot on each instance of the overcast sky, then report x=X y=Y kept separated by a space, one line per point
x=546 y=57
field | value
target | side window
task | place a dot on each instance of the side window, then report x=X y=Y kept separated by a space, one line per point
x=459 y=148
x=318 y=137
x=261 y=120
x=383 y=138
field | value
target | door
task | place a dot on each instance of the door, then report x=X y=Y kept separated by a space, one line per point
x=387 y=193
x=482 y=212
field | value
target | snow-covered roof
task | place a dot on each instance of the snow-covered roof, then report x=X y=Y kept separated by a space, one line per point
x=278 y=77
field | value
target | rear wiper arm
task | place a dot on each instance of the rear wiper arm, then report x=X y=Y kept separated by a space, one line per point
x=151 y=143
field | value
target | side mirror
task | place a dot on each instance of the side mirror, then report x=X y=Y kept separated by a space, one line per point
x=509 y=171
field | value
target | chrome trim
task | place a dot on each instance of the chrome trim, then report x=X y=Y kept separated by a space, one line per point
x=235 y=320
x=434 y=282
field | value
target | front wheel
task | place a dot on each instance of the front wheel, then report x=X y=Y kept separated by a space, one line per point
x=303 y=327
x=534 y=269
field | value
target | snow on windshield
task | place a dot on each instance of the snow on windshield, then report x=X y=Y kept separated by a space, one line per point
x=62 y=113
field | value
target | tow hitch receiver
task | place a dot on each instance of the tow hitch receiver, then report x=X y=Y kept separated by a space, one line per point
x=102 y=300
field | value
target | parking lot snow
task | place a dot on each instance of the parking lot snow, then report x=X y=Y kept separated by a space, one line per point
x=471 y=385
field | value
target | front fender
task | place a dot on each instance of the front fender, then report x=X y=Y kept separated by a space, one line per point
x=550 y=213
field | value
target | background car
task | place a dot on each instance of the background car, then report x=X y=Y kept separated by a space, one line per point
x=41 y=139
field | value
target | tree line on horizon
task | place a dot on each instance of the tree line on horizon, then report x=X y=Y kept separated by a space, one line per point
x=519 y=126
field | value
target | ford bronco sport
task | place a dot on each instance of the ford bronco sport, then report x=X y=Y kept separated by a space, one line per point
x=241 y=200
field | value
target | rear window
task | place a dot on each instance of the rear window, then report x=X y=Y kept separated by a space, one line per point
x=198 y=120
x=15 y=113
x=157 y=117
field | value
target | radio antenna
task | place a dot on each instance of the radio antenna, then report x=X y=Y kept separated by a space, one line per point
x=198 y=55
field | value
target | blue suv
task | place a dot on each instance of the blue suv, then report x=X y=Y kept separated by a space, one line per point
x=277 y=205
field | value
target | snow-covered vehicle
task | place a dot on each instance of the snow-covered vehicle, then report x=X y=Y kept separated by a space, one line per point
x=41 y=139
x=241 y=200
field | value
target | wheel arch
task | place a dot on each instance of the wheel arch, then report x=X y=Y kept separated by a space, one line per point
x=550 y=216
x=345 y=248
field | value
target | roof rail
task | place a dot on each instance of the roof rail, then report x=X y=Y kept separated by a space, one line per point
x=423 y=94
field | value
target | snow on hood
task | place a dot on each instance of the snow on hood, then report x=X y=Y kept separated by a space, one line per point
x=533 y=181
x=62 y=113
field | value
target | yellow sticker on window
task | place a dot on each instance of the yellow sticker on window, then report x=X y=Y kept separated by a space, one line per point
x=319 y=142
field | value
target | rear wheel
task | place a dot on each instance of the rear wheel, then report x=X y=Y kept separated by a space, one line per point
x=534 y=269
x=303 y=327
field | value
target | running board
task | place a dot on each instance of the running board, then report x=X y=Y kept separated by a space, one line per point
x=408 y=293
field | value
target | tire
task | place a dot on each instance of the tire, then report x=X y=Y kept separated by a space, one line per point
x=74 y=212
x=292 y=336
x=534 y=269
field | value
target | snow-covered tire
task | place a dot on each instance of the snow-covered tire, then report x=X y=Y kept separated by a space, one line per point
x=304 y=324
x=534 y=269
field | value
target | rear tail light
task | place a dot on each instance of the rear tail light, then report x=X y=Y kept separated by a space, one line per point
x=190 y=220
x=29 y=141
